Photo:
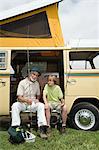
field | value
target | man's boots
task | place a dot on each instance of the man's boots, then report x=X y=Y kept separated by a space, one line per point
x=43 y=132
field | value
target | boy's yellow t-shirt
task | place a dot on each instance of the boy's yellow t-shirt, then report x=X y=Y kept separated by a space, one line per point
x=53 y=93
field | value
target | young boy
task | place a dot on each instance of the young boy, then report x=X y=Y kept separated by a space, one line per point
x=53 y=98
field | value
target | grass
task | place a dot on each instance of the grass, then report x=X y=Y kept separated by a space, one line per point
x=73 y=140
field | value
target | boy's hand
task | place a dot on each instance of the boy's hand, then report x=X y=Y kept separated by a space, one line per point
x=62 y=104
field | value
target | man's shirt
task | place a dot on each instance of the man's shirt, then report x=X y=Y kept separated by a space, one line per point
x=28 y=89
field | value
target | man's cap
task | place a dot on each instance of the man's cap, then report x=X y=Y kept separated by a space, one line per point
x=35 y=69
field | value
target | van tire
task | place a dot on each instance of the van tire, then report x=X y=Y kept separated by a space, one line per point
x=84 y=116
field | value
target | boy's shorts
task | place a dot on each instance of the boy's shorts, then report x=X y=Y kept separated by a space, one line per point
x=55 y=106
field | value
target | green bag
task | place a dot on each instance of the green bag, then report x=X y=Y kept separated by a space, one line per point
x=16 y=136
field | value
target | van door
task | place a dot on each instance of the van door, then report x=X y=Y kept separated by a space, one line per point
x=82 y=88
x=4 y=81
x=81 y=68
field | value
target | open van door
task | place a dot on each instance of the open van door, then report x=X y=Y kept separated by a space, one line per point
x=4 y=81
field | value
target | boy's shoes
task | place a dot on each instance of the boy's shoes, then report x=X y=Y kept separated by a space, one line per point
x=43 y=134
x=63 y=130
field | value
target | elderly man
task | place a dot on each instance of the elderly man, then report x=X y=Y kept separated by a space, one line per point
x=28 y=94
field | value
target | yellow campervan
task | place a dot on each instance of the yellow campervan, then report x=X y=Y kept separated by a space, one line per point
x=34 y=38
x=78 y=73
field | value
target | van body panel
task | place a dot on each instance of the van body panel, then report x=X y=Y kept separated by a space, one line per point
x=4 y=95
x=5 y=83
x=83 y=83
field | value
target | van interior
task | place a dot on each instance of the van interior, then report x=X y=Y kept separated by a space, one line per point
x=48 y=62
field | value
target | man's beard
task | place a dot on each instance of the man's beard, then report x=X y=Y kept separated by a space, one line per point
x=32 y=80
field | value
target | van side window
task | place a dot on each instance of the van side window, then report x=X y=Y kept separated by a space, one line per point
x=35 y=26
x=84 y=60
x=96 y=61
x=80 y=64
x=3 y=60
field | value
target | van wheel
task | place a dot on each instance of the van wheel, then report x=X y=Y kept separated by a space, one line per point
x=84 y=116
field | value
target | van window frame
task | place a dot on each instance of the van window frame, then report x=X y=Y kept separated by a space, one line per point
x=4 y=63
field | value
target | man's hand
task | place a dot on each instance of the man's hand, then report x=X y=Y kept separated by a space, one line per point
x=36 y=101
x=29 y=101
x=24 y=100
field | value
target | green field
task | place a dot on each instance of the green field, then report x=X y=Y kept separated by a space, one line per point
x=72 y=140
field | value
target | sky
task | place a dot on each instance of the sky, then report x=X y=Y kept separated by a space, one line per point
x=79 y=18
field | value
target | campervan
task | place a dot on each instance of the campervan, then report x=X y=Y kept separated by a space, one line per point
x=77 y=70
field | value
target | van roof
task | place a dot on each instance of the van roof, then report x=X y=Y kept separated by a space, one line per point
x=84 y=43
x=35 y=4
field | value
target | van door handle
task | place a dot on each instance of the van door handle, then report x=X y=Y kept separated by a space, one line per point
x=72 y=81
x=3 y=82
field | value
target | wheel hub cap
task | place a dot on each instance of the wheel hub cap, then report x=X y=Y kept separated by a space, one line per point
x=85 y=119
